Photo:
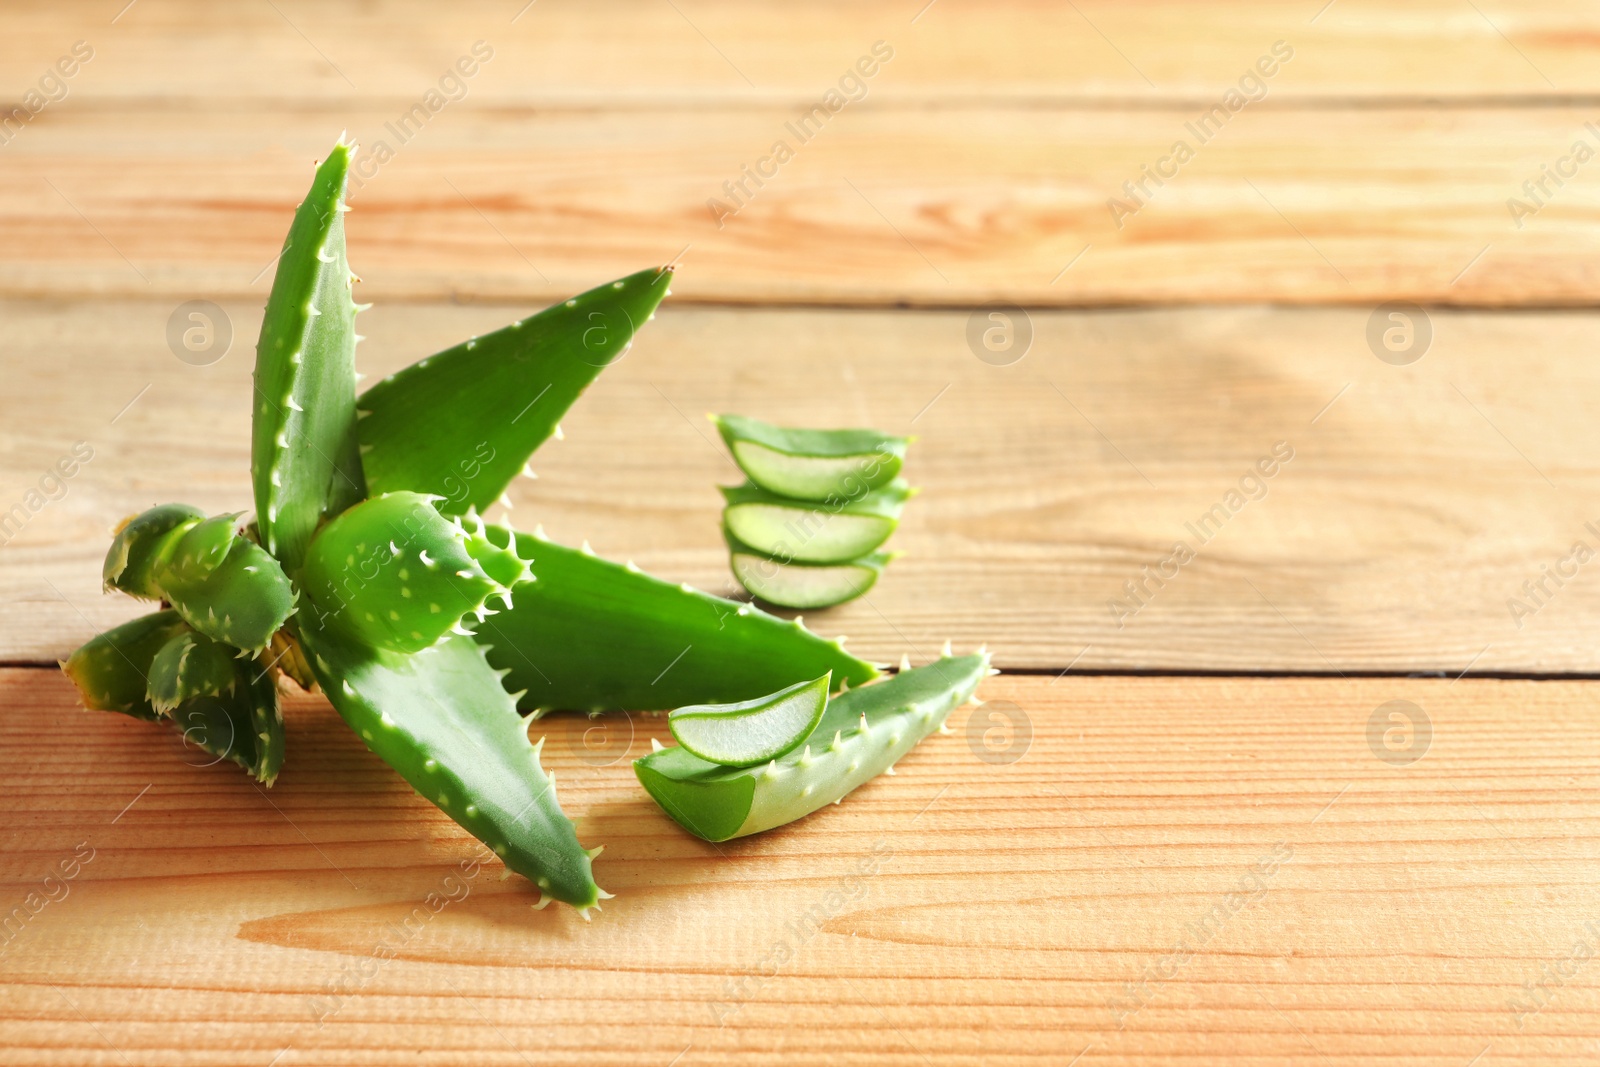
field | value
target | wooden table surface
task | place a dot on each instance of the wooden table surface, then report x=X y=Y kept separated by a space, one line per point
x=1186 y=828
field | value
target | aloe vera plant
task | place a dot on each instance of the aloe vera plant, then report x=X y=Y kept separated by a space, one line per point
x=367 y=569
x=863 y=733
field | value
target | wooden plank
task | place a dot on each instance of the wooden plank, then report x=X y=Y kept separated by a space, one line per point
x=890 y=203
x=1085 y=896
x=1419 y=501
x=628 y=54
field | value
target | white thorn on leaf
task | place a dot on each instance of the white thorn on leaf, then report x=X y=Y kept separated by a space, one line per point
x=905 y=662
x=946 y=651
x=656 y=745
x=585 y=548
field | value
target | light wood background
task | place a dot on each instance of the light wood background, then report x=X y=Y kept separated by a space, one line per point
x=1017 y=898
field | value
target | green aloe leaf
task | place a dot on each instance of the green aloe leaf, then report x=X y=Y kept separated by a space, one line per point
x=157 y=669
x=751 y=731
x=835 y=532
x=144 y=544
x=441 y=718
x=820 y=465
x=863 y=733
x=461 y=424
x=304 y=459
x=393 y=573
x=259 y=690
x=191 y=665
x=112 y=670
x=224 y=584
x=592 y=635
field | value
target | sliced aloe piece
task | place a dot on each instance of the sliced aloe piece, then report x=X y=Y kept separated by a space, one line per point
x=304 y=462
x=112 y=670
x=808 y=532
x=803 y=586
x=462 y=423
x=863 y=733
x=819 y=465
x=592 y=635
x=441 y=718
x=751 y=731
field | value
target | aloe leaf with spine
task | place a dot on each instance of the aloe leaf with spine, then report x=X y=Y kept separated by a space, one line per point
x=304 y=458
x=112 y=669
x=190 y=664
x=224 y=584
x=506 y=392
x=144 y=543
x=592 y=635
x=441 y=718
x=395 y=574
x=862 y=734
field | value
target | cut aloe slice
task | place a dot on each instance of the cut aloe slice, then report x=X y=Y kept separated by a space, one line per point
x=821 y=465
x=808 y=532
x=863 y=733
x=751 y=731
x=804 y=585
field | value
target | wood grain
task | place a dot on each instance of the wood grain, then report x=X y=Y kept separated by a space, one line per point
x=1418 y=502
x=618 y=53
x=888 y=204
x=1005 y=915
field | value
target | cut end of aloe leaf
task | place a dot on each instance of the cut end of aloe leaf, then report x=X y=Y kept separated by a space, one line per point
x=819 y=465
x=862 y=733
x=751 y=731
x=804 y=586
